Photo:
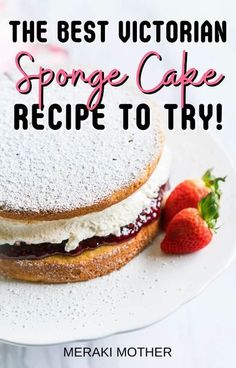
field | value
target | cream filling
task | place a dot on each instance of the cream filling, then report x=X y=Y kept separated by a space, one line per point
x=102 y=223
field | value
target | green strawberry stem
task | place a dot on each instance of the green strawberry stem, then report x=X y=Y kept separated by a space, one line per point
x=209 y=209
x=212 y=182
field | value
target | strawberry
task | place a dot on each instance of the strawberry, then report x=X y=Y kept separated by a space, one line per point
x=192 y=228
x=188 y=194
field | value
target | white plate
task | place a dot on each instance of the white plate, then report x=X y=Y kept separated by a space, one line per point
x=143 y=292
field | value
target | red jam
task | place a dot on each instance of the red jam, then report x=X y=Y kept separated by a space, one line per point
x=43 y=250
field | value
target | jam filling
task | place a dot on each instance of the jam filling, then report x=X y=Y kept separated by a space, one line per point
x=21 y=250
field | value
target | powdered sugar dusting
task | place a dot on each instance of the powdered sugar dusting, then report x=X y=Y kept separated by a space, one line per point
x=63 y=170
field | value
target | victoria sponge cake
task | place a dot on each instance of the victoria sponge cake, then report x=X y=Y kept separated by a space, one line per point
x=78 y=204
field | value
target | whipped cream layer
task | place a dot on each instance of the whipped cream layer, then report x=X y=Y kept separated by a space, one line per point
x=102 y=223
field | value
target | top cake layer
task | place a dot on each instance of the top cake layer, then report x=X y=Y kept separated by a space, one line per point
x=65 y=173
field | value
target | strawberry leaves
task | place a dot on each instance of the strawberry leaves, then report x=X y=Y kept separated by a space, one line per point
x=209 y=206
x=209 y=209
x=212 y=182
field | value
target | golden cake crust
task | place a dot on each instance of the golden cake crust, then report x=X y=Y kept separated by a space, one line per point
x=86 y=266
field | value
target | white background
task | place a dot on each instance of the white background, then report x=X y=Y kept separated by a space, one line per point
x=203 y=332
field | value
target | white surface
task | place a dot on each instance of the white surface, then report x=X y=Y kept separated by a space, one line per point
x=202 y=333
x=143 y=292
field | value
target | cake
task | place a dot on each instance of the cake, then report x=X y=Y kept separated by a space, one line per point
x=78 y=204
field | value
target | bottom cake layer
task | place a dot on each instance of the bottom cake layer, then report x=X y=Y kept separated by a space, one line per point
x=88 y=265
